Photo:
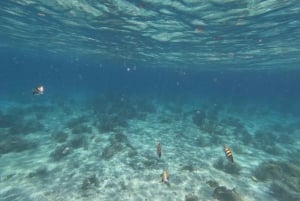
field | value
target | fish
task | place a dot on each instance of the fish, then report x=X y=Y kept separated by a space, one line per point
x=158 y=149
x=165 y=177
x=228 y=153
x=39 y=90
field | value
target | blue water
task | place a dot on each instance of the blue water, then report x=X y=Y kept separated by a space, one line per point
x=62 y=77
x=119 y=76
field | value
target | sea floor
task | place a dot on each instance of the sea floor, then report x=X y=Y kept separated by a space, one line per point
x=104 y=149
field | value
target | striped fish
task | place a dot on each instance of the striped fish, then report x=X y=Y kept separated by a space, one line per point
x=158 y=149
x=228 y=153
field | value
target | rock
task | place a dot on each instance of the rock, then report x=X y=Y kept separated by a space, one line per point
x=191 y=197
x=199 y=117
x=60 y=136
x=39 y=172
x=77 y=142
x=111 y=149
x=221 y=193
x=212 y=183
x=15 y=144
x=282 y=192
x=90 y=181
x=81 y=129
x=283 y=172
x=227 y=166
x=118 y=143
x=60 y=152
x=8 y=121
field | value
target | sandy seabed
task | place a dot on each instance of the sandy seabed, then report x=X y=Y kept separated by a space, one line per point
x=105 y=149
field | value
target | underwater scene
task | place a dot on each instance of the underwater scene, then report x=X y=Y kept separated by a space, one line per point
x=149 y=100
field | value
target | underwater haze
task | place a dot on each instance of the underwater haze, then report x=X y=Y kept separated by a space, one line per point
x=149 y=100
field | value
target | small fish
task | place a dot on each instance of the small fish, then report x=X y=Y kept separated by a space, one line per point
x=165 y=177
x=38 y=90
x=228 y=153
x=158 y=149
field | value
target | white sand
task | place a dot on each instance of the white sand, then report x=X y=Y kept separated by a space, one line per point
x=134 y=172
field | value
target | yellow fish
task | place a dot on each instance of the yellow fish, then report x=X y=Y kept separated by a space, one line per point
x=165 y=177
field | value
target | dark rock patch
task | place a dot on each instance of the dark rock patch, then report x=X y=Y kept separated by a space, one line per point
x=8 y=121
x=282 y=192
x=76 y=121
x=286 y=138
x=203 y=141
x=15 y=144
x=149 y=163
x=244 y=136
x=60 y=152
x=118 y=143
x=191 y=197
x=227 y=166
x=118 y=110
x=40 y=172
x=25 y=127
x=199 y=117
x=221 y=193
x=108 y=123
x=77 y=142
x=266 y=141
x=232 y=122
x=90 y=182
x=212 y=127
x=212 y=183
x=111 y=150
x=286 y=173
x=40 y=111
x=81 y=129
x=60 y=136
